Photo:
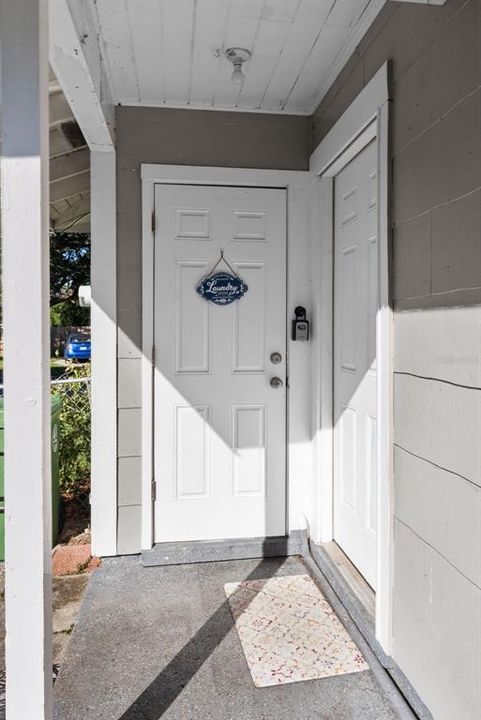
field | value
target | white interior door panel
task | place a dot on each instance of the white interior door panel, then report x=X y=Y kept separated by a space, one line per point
x=355 y=394
x=219 y=426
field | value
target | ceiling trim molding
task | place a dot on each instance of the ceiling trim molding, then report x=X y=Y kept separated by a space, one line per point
x=216 y=108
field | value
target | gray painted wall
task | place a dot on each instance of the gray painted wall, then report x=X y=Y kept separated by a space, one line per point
x=436 y=155
x=176 y=137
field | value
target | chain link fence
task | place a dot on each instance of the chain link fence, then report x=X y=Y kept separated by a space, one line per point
x=74 y=389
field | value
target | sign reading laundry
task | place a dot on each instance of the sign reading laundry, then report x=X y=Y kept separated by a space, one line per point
x=222 y=288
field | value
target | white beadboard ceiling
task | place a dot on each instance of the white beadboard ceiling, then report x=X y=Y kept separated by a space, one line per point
x=170 y=52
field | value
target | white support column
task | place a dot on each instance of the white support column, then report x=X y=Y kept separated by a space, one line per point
x=104 y=354
x=25 y=256
x=76 y=59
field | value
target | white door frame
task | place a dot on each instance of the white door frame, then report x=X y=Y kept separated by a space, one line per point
x=364 y=120
x=298 y=184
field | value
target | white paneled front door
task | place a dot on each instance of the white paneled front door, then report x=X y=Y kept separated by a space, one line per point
x=355 y=394
x=219 y=425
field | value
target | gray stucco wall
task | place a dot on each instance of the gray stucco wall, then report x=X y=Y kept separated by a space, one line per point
x=176 y=137
x=436 y=156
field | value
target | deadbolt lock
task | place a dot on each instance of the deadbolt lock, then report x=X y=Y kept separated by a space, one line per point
x=276 y=358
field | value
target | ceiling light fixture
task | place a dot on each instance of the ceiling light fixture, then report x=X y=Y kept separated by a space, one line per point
x=237 y=56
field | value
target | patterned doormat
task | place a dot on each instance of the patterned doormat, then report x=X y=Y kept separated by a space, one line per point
x=289 y=632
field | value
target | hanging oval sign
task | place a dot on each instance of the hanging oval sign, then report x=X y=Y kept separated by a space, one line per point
x=222 y=288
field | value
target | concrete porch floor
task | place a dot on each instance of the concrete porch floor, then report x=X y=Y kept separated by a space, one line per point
x=160 y=642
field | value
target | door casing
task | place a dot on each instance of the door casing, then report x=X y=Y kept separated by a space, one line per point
x=366 y=118
x=299 y=188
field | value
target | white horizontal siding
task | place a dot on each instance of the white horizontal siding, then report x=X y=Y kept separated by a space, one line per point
x=441 y=343
x=129 y=432
x=129 y=383
x=439 y=422
x=437 y=628
x=442 y=508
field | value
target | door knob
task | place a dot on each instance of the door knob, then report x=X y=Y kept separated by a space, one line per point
x=276 y=383
x=276 y=358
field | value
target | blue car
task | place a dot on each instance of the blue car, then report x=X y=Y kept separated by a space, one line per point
x=77 y=347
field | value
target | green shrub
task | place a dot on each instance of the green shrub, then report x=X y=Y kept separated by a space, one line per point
x=74 y=445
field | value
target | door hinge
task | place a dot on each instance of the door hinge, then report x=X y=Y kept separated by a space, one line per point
x=154 y=491
x=153 y=221
x=153 y=354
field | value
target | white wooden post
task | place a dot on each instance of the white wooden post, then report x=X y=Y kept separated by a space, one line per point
x=104 y=354
x=75 y=58
x=25 y=253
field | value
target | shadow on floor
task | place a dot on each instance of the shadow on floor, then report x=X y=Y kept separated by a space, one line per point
x=162 y=691
x=160 y=643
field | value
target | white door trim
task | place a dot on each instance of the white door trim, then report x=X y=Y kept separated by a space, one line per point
x=297 y=183
x=364 y=120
